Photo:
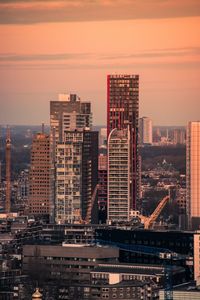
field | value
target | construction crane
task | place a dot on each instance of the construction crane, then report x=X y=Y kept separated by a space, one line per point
x=148 y=221
x=8 y=165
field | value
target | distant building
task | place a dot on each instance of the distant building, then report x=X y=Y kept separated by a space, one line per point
x=123 y=110
x=119 y=175
x=156 y=135
x=103 y=137
x=23 y=189
x=40 y=174
x=145 y=131
x=179 y=136
x=193 y=174
x=76 y=176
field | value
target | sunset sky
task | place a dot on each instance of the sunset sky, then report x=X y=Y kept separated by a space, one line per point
x=51 y=47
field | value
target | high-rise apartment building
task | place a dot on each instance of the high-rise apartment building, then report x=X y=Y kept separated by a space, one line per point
x=119 y=175
x=77 y=177
x=123 y=110
x=68 y=113
x=193 y=174
x=40 y=175
x=145 y=131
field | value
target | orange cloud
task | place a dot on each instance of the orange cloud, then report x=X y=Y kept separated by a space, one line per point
x=37 y=11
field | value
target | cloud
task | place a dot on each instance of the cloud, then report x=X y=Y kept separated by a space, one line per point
x=38 y=11
x=41 y=57
x=13 y=58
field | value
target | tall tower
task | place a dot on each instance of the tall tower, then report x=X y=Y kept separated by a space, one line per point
x=68 y=113
x=193 y=174
x=40 y=175
x=119 y=186
x=76 y=176
x=8 y=171
x=123 y=110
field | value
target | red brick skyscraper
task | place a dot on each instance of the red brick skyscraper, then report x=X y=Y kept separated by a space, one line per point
x=123 y=109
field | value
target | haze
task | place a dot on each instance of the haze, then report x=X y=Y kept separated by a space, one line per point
x=51 y=47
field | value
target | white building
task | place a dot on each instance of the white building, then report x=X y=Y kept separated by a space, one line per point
x=145 y=130
x=119 y=175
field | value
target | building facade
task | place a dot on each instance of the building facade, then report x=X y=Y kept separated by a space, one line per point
x=123 y=109
x=68 y=113
x=119 y=175
x=193 y=174
x=102 y=191
x=40 y=176
x=76 y=176
x=145 y=131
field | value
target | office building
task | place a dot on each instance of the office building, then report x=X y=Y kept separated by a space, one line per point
x=193 y=174
x=77 y=177
x=40 y=175
x=123 y=110
x=119 y=175
x=145 y=131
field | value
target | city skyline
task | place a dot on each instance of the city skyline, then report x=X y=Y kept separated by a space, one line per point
x=43 y=55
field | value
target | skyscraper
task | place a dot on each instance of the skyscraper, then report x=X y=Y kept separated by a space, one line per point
x=193 y=174
x=145 y=130
x=76 y=176
x=123 y=110
x=40 y=175
x=119 y=175
x=68 y=113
